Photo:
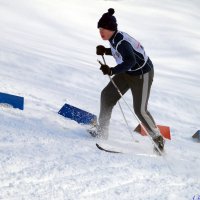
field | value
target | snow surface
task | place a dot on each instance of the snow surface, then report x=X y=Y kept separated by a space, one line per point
x=47 y=55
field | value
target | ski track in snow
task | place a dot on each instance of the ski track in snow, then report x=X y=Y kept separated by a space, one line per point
x=47 y=55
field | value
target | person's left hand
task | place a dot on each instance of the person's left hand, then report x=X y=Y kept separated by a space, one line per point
x=106 y=70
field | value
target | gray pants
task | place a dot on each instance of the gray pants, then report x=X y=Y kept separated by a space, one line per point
x=140 y=87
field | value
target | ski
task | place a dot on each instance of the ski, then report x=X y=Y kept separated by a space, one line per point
x=106 y=150
x=112 y=149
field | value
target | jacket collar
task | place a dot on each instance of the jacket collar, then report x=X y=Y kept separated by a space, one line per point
x=111 y=40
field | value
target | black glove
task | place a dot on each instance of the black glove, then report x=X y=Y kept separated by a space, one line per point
x=106 y=70
x=100 y=50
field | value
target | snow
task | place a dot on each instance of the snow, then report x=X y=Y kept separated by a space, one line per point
x=47 y=55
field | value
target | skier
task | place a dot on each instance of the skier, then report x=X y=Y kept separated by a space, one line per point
x=134 y=70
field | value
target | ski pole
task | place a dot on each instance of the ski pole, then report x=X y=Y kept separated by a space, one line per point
x=145 y=130
x=128 y=127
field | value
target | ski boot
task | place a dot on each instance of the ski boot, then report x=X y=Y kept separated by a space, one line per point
x=160 y=142
x=97 y=132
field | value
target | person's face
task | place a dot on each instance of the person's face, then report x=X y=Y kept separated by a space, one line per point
x=105 y=34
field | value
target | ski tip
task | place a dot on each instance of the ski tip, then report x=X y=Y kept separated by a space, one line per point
x=106 y=150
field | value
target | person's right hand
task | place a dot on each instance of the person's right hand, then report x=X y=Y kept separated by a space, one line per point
x=100 y=50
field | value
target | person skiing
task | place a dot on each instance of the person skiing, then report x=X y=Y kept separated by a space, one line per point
x=134 y=71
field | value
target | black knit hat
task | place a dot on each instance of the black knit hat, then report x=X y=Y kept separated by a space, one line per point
x=108 y=21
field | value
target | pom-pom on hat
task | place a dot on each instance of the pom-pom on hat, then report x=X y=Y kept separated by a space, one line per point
x=108 y=21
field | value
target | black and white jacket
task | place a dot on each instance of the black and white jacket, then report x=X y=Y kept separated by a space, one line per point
x=129 y=55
